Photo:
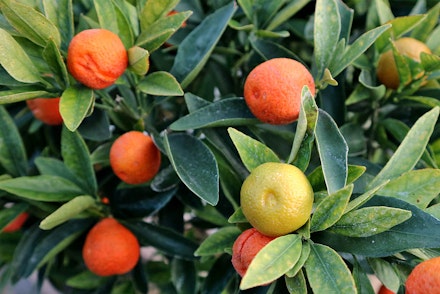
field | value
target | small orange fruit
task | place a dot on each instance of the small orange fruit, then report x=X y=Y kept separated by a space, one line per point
x=386 y=68
x=424 y=278
x=46 y=109
x=17 y=223
x=110 y=248
x=272 y=90
x=276 y=198
x=134 y=158
x=96 y=58
x=385 y=290
x=245 y=247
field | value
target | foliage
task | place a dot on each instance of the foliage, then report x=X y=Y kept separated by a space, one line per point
x=370 y=153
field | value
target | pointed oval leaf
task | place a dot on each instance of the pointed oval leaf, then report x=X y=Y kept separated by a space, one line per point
x=305 y=251
x=60 y=13
x=272 y=261
x=15 y=60
x=53 y=57
x=225 y=112
x=21 y=94
x=330 y=209
x=154 y=10
x=195 y=49
x=184 y=276
x=13 y=156
x=106 y=15
x=296 y=284
x=67 y=211
x=160 y=83
x=333 y=152
x=252 y=152
x=195 y=165
x=218 y=241
x=75 y=105
x=327 y=271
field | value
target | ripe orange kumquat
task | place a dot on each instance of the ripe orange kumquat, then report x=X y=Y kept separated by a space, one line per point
x=46 y=110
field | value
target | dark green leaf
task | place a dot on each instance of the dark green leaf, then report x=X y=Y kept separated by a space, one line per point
x=226 y=112
x=362 y=280
x=183 y=276
x=327 y=272
x=200 y=176
x=12 y=152
x=75 y=105
x=160 y=83
x=218 y=278
x=196 y=48
x=218 y=241
x=85 y=280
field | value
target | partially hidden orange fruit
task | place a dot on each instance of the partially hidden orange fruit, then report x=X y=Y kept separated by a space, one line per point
x=246 y=247
x=385 y=290
x=387 y=72
x=424 y=278
x=134 y=157
x=276 y=198
x=96 y=58
x=46 y=110
x=272 y=90
x=110 y=248
x=17 y=223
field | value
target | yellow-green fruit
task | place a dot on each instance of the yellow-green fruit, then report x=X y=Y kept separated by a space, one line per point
x=276 y=198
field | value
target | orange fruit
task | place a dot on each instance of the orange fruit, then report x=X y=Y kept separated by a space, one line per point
x=385 y=290
x=424 y=278
x=386 y=68
x=110 y=248
x=276 y=198
x=272 y=90
x=96 y=58
x=245 y=247
x=17 y=223
x=134 y=157
x=46 y=109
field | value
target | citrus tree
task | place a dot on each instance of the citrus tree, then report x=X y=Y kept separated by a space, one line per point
x=369 y=151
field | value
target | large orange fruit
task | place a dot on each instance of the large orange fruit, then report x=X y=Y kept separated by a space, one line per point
x=134 y=157
x=424 y=278
x=245 y=247
x=96 y=58
x=386 y=68
x=110 y=248
x=272 y=90
x=46 y=109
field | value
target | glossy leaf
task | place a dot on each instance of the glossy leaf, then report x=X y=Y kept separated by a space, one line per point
x=217 y=279
x=202 y=178
x=76 y=156
x=218 y=241
x=15 y=60
x=195 y=49
x=410 y=150
x=30 y=23
x=226 y=112
x=252 y=152
x=67 y=211
x=13 y=156
x=154 y=10
x=42 y=188
x=60 y=13
x=272 y=261
x=75 y=105
x=330 y=209
x=183 y=276
x=327 y=272
x=160 y=83
x=165 y=240
x=333 y=152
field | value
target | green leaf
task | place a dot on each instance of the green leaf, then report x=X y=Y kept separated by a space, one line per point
x=127 y=22
x=85 y=280
x=67 y=211
x=75 y=105
x=106 y=15
x=327 y=28
x=76 y=157
x=154 y=10
x=13 y=156
x=7 y=215
x=218 y=241
x=272 y=261
x=362 y=199
x=330 y=209
x=286 y=13
x=426 y=26
x=15 y=60
x=30 y=23
x=60 y=13
x=195 y=49
x=327 y=272
x=252 y=152
x=42 y=188
x=410 y=150
x=160 y=83
x=21 y=94
x=163 y=239
x=418 y=187
x=184 y=276
x=385 y=272
x=54 y=59
x=138 y=59
x=368 y=221
x=225 y=112
x=237 y=217
x=333 y=152
x=362 y=280
x=195 y=165
x=305 y=251
x=55 y=167
x=296 y=284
